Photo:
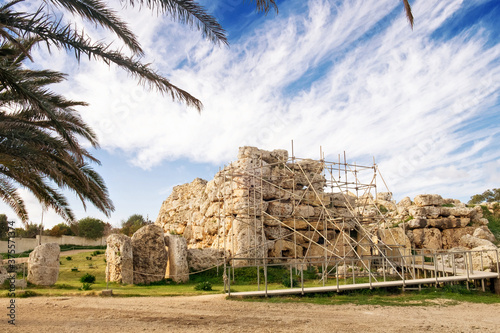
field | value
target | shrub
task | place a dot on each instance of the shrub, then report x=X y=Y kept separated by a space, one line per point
x=207 y=286
x=87 y=278
x=86 y=286
x=69 y=258
x=74 y=269
x=88 y=258
x=286 y=280
x=96 y=253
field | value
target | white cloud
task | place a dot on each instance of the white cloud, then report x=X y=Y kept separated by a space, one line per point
x=311 y=75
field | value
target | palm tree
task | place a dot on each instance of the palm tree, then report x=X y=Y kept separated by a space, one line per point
x=40 y=134
x=49 y=28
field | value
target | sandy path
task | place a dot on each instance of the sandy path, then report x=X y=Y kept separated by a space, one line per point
x=216 y=314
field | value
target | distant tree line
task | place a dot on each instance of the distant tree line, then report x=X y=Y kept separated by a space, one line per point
x=487 y=196
x=87 y=227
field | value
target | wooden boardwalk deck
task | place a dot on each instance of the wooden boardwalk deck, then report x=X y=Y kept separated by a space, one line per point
x=476 y=275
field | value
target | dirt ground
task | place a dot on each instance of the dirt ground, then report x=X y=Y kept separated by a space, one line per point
x=214 y=313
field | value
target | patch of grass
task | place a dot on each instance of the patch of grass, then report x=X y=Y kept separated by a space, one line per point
x=383 y=209
x=448 y=205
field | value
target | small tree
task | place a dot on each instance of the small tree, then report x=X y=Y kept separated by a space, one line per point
x=90 y=227
x=133 y=223
x=486 y=196
x=4 y=227
x=60 y=230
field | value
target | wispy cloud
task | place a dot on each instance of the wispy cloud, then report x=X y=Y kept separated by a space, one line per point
x=347 y=75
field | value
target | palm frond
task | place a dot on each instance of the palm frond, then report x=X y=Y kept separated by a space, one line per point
x=98 y=13
x=188 y=12
x=408 y=12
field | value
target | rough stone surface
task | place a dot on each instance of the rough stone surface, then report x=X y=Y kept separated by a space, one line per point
x=200 y=259
x=149 y=254
x=396 y=239
x=470 y=242
x=119 y=259
x=429 y=239
x=451 y=237
x=43 y=264
x=485 y=258
x=484 y=233
x=422 y=200
x=448 y=222
x=177 y=267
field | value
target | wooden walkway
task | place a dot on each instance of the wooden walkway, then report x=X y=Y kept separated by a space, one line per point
x=476 y=275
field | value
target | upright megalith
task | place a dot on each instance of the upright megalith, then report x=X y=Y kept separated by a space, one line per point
x=119 y=259
x=177 y=267
x=150 y=256
x=43 y=264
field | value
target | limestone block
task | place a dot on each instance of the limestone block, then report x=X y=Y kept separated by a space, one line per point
x=417 y=223
x=278 y=233
x=286 y=249
x=297 y=224
x=423 y=212
x=177 y=266
x=422 y=200
x=43 y=264
x=211 y=226
x=448 y=223
x=338 y=199
x=277 y=208
x=430 y=239
x=451 y=237
x=119 y=259
x=403 y=205
x=305 y=237
x=200 y=259
x=484 y=258
x=484 y=233
x=470 y=242
x=385 y=196
x=396 y=239
x=303 y=211
x=245 y=205
x=456 y=211
x=277 y=155
x=390 y=206
x=149 y=254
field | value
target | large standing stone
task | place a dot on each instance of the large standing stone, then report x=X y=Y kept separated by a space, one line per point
x=149 y=254
x=119 y=259
x=177 y=267
x=43 y=264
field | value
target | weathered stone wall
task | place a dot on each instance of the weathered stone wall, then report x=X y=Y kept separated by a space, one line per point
x=252 y=206
x=264 y=205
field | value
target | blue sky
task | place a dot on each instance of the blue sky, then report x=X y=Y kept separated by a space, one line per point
x=344 y=75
